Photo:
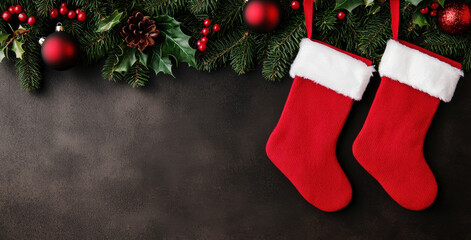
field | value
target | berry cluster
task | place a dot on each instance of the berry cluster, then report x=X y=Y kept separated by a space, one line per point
x=18 y=9
x=71 y=14
x=433 y=13
x=205 y=31
x=295 y=5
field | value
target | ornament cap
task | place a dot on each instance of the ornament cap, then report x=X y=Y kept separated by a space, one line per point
x=41 y=40
x=59 y=27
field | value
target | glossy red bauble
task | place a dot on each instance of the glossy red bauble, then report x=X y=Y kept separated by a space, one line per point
x=77 y=11
x=82 y=16
x=455 y=17
x=341 y=15
x=11 y=9
x=18 y=9
x=198 y=43
x=31 y=20
x=60 y=51
x=261 y=15
x=6 y=16
x=54 y=13
x=295 y=5
x=64 y=10
x=424 y=10
x=216 y=27
x=22 y=17
x=202 y=47
x=204 y=40
x=207 y=22
x=434 y=5
x=71 y=14
x=205 y=31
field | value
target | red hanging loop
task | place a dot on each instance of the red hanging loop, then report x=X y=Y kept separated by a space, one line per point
x=395 y=18
x=308 y=11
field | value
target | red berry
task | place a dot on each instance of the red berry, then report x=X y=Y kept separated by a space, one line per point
x=71 y=14
x=18 y=9
x=434 y=5
x=433 y=13
x=63 y=4
x=11 y=9
x=207 y=22
x=82 y=16
x=6 y=16
x=216 y=27
x=54 y=13
x=31 y=20
x=202 y=47
x=424 y=10
x=205 y=31
x=77 y=11
x=199 y=43
x=22 y=17
x=295 y=5
x=341 y=15
x=64 y=10
x=204 y=40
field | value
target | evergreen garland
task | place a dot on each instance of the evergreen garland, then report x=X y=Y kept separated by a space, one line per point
x=364 y=32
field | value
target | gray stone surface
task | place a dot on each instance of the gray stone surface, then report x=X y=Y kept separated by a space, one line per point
x=184 y=158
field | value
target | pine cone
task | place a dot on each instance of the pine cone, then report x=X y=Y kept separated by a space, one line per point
x=140 y=31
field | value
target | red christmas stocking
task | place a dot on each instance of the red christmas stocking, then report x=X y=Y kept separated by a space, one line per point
x=326 y=82
x=390 y=145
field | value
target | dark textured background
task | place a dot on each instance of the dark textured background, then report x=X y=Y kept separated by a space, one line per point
x=185 y=158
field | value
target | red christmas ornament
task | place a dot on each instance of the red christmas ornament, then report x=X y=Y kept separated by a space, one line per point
x=207 y=22
x=82 y=16
x=216 y=27
x=261 y=15
x=424 y=10
x=6 y=16
x=295 y=5
x=22 y=17
x=455 y=17
x=71 y=14
x=31 y=20
x=433 y=13
x=54 y=13
x=205 y=31
x=204 y=40
x=18 y=9
x=341 y=15
x=64 y=10
x=11 y=9
x=202 y=47
x=59 y=50
x=77 y=11
x=434 y=5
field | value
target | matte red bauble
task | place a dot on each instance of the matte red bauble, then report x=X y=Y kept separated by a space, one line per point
x=455 y=17
x=261 y=15
x=59 y=50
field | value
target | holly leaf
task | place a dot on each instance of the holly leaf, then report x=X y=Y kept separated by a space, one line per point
x=126 y=61
x=142 y=57
x=109 y=22
x=160 y=63
x=175 y=43
x=414 y=2
x=2 y=52
x=442 y=2
x=4 y=37
x=369 y=3
x=420 y=19
x=17 y=48
x=348 y=5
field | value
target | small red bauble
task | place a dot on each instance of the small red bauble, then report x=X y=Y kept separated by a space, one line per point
x=18 y=9
x=202 y=47
x=433 y=13
x=64 y=10
x=60 y=51
x=261 y=15
x=205 y=31
x=204 y=40
x=22 y=17
x=434 y=5
x=424 y=10
x=82 y=16
x=11 y=9
x=31 y=20
x=207 y=22
x=216 y=27
x=71 y=14
x=341 y=15
x=6 y=16
x=455 y=17
x=77 y=11
x=295 y=5
x=54 y=13
x=198 y=43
